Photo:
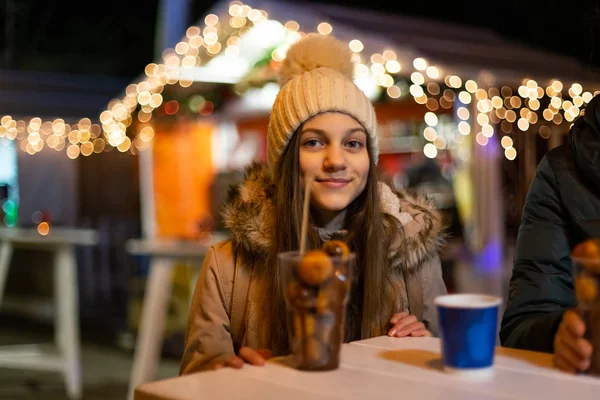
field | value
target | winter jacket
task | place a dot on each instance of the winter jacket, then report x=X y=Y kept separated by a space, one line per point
x=562 y=209
x=225 y=313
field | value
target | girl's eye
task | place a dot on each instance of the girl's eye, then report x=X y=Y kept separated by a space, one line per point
x=354 y=144
x=312 y=143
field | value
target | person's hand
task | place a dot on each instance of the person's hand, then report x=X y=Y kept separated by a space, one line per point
x=246 y=355
x=407 y=325
x=572 y=353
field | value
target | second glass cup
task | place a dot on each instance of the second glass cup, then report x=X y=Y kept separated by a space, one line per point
x=317 y=288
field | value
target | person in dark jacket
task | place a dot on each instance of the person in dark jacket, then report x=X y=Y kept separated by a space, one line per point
x=562 y=209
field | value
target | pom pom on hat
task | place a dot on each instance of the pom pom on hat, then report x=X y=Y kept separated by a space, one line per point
x=316 y=51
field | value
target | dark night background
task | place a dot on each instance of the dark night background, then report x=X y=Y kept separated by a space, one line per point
x=116 y=37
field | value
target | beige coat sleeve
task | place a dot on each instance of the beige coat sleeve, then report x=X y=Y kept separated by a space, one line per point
x=208 y=339
x=433 y=286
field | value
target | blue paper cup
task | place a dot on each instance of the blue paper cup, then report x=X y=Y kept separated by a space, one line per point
x=468 y=326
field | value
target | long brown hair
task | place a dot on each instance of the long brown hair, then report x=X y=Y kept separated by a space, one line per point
x=373 y=296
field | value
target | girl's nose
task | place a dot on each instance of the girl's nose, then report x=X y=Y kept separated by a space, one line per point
x=334 y=159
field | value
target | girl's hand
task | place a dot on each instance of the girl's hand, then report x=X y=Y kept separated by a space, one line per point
x=407 y=325
x=246 y=355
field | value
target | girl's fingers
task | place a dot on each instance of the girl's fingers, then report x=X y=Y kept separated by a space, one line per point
x=404 y=330
x=251 y=356
x=410 y=328
x=265 y=353
x=397 y=317
x=421 y=333
x=246 y=355
x=404 y=322
x=234 y=362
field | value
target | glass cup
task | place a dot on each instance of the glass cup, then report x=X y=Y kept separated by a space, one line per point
x=587 y=287
x=316 y=311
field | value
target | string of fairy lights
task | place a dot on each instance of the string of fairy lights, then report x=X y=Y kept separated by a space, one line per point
x=126 y=124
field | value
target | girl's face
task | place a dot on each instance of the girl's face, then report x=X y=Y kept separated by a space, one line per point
x=333 y=150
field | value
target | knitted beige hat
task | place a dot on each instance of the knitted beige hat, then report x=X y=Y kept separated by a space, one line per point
x=316 y=77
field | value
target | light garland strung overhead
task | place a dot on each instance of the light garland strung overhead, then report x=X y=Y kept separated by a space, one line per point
x=498 y=111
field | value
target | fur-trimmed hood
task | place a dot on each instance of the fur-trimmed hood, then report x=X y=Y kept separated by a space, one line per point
x=248 y=213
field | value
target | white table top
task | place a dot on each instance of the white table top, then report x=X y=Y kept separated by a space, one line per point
x=56 y=236
x=381 y=368
x=172 y=248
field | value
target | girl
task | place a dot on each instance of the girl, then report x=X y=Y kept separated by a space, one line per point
x=321 y=126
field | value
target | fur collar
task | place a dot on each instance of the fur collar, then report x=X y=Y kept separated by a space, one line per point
x=248 y=214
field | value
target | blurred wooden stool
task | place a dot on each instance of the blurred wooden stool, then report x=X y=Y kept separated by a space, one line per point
x=66 y=356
